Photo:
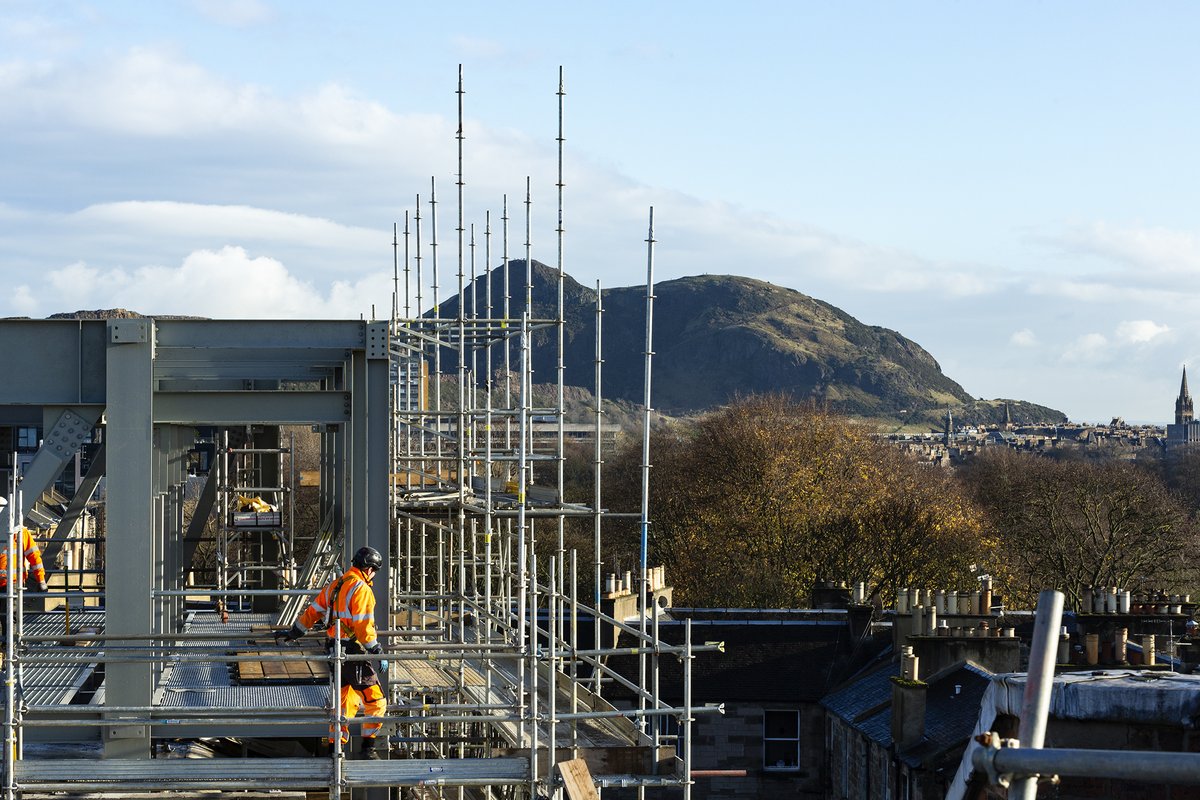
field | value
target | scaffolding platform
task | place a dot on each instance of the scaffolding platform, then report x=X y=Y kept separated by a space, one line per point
x=234 y=774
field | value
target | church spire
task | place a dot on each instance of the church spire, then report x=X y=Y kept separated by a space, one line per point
x=1183 y=404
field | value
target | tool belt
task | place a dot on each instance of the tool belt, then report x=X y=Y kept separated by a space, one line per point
x=357 y=674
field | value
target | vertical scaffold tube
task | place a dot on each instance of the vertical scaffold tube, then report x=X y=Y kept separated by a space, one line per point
x=574 y=649
x=597 y=466
x=395 y=273
x=489 y=519
x=407 y=309
x=1039 y=683
x=10 y=689
x=687 y=709
x=645 y=512
x=506 y=319
x=437 y=350
x=533 y=675
x=560 y=408
x=460 y=434
x=335 y=711
x=552 y=641
x=522 y=562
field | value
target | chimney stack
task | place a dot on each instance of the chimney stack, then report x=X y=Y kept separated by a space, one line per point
x=908 y=703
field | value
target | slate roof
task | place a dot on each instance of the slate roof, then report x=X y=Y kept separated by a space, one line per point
x=951 y=711
x=788 y=661
x=952 y=703
x=858 y=700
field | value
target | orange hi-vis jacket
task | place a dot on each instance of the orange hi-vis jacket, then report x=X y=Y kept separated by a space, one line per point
x=24 y=542
x=349 y=599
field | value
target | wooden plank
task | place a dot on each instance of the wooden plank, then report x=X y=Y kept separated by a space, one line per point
x=577 y=780
x=313 y=668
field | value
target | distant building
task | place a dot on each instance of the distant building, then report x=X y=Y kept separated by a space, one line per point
x=1183 y=404
x=1186 y=429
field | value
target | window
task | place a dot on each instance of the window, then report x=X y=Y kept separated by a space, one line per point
x=27 y=438
x=781 y=739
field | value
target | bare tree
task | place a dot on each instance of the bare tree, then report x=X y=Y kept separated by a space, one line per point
x=1074 y=524
x=753 y=504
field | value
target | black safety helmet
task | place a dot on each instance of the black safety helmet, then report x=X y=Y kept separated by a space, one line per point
x=367 y=557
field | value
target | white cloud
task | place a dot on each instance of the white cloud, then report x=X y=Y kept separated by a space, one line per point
x=76 y=281
x=228 y=223
x=1113 y=292
x=23 y=302
x=235 y=13
x=146 y=92
x=1023 y=338
x=40 y=34
x=1140 y=331
x=225 y=283
x=1090 y=347
x=1149 y=250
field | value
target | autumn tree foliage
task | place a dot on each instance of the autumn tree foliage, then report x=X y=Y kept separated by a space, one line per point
x=754 y=503
x=1072 y=524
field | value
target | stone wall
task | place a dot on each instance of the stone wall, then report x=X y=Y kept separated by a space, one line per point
x=735 y=741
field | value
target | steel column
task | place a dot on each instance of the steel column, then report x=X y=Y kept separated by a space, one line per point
x=130 y=521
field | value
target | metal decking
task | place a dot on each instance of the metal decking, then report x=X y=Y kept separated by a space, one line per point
x=209 y=684
x=58 y=684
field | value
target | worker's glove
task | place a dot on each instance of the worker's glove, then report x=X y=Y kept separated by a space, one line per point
x=375 y=648
x=42 y=587
x=290 y=635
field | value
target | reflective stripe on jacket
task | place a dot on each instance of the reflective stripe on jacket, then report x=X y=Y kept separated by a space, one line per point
x=33 y=555
x=349 y=599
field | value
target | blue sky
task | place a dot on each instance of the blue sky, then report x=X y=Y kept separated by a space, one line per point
x=1013 y=186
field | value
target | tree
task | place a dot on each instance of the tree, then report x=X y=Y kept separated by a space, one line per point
x=753 y=504
x=1073 y=524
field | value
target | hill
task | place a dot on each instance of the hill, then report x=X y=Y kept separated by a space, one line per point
x=720 y=336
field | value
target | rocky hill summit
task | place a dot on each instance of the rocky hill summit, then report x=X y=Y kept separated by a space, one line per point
x=717 y=337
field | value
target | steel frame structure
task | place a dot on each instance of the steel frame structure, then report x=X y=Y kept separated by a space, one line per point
x=492 y=685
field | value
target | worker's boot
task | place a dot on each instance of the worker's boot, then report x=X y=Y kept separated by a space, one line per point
x=368 y=751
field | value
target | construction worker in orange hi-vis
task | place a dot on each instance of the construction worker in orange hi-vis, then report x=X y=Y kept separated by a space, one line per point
x=350 y=600
x=24 y=543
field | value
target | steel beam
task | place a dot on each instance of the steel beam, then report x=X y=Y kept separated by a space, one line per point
x=251 y=408
x=63 y=435
x=53 y=362
x=195 y=529
x=83 y=495
x=261 y=335
x=357 y=455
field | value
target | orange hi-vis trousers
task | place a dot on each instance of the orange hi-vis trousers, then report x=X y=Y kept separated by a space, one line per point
x=373 y=705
